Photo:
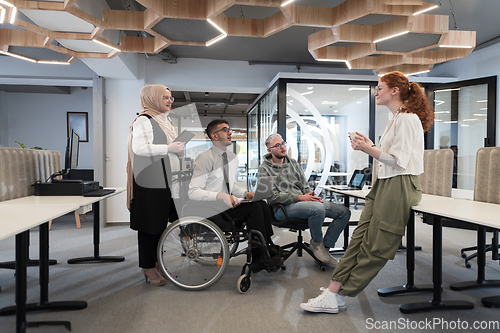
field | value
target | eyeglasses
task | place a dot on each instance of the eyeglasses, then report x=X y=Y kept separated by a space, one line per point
x=225 y=129
x=377 y=89
x=279 y=145
x=171 y=98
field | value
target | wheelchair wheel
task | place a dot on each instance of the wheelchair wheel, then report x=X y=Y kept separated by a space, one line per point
x=244 y=283
x=193 y=253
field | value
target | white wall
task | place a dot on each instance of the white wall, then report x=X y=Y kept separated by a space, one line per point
x=121 y=108
x=40 y=120
x=4 y=129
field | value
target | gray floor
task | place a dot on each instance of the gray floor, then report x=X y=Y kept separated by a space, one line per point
x=120 y=301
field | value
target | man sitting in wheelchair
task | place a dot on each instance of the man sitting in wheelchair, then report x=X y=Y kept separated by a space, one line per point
x=213 y=181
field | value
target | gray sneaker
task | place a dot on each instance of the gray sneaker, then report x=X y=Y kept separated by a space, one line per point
x=321 y=252
x=326 y=302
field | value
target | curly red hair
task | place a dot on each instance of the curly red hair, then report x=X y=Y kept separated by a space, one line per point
x=413 y=96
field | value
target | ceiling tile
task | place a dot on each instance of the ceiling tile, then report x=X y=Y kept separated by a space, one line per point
x=255 y=12
x=58 y=21
x=186 y=30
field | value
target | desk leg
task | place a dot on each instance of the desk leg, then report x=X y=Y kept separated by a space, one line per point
x=346 y=231
x=96 y=258
x=29 y=262
x=44 y=304
x=437 y=270
x=21 y=293
x=409 y=287
x=481 y=266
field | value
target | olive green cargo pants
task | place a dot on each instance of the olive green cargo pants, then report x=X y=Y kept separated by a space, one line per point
x=380 y=230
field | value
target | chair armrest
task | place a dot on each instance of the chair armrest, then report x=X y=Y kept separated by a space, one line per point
x=280 y=206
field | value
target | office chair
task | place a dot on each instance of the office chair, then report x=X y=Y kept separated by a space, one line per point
x=486 y=184
x=295 y=225
x=493 y=247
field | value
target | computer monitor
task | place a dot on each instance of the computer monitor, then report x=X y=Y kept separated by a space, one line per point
x=72 y=150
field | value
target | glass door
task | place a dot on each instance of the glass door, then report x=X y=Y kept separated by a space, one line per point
x=464 y=122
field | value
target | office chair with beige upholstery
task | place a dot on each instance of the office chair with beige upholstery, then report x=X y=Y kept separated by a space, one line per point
x=486 y=189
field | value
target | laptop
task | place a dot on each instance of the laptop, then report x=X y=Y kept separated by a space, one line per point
x=357 y=181
x=264 y=189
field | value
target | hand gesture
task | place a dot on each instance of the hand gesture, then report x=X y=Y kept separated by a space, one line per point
x=249 y=195
x=177 y=148
x=309 y=197
x=361 y=142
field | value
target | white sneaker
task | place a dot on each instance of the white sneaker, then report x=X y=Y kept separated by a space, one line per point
x=340 y=300
x=326 y=302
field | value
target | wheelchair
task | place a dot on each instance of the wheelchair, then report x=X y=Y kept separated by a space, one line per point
x=194 y=252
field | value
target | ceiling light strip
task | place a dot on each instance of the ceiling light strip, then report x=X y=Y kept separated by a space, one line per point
x=337 y=60
x=2 y=14
x=396 y=35
x=104 y=44
x=421 y=72
x=216 y=39
x=17 y=56
x=13 y=13
x=458 y=46
x=216 y=26
x=53 y=62
x=6 y=3
x=425 y=10
x=287 y=3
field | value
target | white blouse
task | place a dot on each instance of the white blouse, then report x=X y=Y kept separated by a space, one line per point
x=142 y=139
x=402 y=146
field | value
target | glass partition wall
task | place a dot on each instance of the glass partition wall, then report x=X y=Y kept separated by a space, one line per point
x=314 y=117
x=465 y=118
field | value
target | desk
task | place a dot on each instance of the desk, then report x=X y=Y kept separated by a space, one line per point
x=360 y=194
x=15 y=221
x=479 y=213
x=37 y=210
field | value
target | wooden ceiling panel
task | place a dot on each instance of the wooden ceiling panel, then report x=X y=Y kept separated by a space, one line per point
x=187 y=22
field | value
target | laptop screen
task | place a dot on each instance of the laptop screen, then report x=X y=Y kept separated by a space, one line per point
x=358 y=180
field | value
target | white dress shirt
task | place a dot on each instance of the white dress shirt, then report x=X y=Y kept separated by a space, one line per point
x=208 y=176
x=402 y=146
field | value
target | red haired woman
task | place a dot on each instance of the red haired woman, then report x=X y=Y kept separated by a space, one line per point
x=399 y=160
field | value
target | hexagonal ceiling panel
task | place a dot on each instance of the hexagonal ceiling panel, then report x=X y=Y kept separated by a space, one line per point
x=404 y=33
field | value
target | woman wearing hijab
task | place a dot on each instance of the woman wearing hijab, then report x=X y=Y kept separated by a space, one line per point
x=151 y=159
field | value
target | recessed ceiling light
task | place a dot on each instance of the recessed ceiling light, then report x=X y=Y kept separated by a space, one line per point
x=329 y=103
x=307 y=93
